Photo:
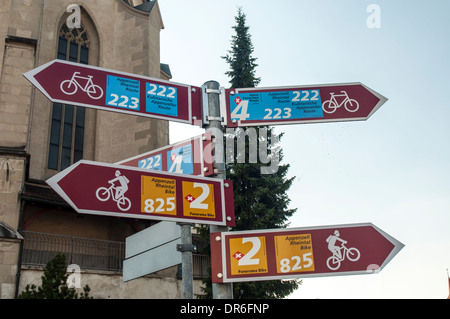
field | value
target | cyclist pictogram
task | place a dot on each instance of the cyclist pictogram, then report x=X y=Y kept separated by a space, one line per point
x=339 y=253
x=70 y=87
x=117 y=193
x=331 y=105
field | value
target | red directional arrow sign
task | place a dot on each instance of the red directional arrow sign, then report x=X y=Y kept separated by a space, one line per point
x=301 y=104
x=93 y=87
x=300 y=252
x=115 y=190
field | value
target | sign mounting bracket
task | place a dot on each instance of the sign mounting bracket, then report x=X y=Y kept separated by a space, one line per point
x=206 y=116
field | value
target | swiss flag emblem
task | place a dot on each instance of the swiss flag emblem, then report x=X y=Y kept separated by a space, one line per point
x=238 y=255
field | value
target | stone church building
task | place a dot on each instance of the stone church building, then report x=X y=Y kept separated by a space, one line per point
x=39 y=138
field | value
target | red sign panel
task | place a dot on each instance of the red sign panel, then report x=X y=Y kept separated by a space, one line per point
x=193 y=157
x=115 y=190
x=302 y=104
x=300 y=252
x=93 y=87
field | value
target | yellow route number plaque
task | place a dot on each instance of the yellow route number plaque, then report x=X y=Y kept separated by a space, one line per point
x=248 y=255
x=294 y=253
x=198 y=200
x=158 y=195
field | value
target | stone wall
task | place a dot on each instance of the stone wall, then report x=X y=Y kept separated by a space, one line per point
x=109 y=285
x=15 y=93
x=9 y=253
x=12 y=175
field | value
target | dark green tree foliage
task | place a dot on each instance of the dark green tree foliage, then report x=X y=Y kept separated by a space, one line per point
x=261 y=201
x=242 y=64
x=54 y=283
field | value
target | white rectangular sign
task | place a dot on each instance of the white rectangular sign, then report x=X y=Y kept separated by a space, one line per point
x=151 y=261
x=151 y=237
x=152 y=250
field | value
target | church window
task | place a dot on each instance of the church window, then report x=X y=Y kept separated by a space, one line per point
x=68 y=121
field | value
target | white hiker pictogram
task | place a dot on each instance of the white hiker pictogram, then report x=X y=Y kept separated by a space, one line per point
x=340 y=252
x=117 y=193
x=331 y=105
x=70 y=87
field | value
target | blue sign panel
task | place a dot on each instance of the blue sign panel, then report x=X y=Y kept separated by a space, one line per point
x=277 y=105
x=162 y=99
x=179 y=160
x=122 y=92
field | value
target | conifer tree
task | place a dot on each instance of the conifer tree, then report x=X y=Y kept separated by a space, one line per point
x=261 y=201
x=243 y=65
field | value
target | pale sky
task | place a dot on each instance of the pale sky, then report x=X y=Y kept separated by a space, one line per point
x=392 y=170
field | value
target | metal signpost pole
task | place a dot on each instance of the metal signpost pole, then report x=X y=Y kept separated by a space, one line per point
x=187 y=272
x=214 y=120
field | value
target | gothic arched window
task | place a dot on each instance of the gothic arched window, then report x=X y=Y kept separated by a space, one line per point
x=68 y=121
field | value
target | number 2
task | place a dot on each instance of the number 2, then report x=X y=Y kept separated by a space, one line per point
x=248 y=258
x=198 y=202
x=114 y=100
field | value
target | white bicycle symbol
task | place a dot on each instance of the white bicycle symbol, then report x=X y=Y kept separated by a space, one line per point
x=104 y=193
x=332 y=104
x=334 y=262
x=70 y=87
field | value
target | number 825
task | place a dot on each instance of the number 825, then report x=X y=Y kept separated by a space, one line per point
x=286 y=267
